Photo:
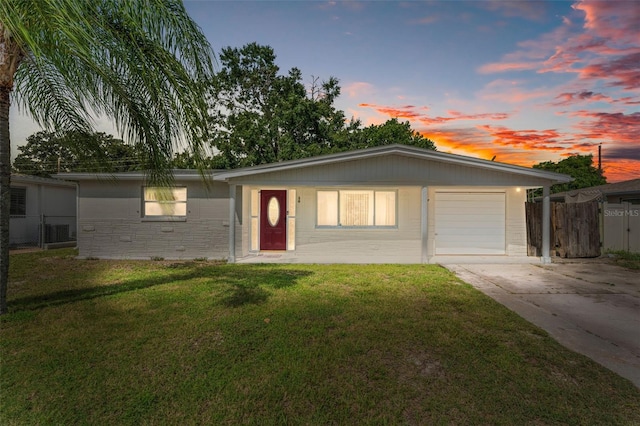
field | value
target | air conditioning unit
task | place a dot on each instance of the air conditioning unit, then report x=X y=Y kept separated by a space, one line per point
x=56 y=233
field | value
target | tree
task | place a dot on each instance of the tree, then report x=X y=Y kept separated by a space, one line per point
x=47 y=153
x=390 y=132
x=260 y=116
x=186 y=160
x=139 y=62
x=579 y=167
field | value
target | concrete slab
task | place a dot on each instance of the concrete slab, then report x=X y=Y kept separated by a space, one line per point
x=590 y=307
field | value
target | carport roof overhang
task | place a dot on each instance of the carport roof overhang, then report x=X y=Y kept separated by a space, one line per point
x=538 y=177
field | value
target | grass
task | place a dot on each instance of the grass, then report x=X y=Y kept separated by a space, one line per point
x=160 y=342
x=626 y=259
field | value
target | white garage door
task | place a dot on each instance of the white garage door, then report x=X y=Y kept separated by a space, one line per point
x=470 y=223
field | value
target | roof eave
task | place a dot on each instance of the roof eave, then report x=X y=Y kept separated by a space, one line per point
x=130 y=176
x=393 y=149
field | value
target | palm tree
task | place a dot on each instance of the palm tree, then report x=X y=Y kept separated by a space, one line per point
x=140 y=62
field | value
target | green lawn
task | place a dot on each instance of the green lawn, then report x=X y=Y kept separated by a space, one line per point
x=626 y=259
x=144 y=342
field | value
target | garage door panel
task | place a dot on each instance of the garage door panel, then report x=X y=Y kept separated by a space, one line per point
x=470 y=223
x=486 y=220
x=455 y=236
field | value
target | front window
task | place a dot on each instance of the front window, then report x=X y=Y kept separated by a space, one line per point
x=356 y=208
x=165 y=202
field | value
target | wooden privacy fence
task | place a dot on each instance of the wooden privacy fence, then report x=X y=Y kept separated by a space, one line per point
x=575 y=229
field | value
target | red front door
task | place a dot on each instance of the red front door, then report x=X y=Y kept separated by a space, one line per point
x=273 y=219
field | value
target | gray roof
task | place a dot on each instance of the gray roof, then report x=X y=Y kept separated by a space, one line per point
x=38 y=180
x=397 y=149
x=182 y=174
x=619 y=188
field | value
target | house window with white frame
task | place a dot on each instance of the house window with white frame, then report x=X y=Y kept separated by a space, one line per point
x=162 y=202
x=356 y=208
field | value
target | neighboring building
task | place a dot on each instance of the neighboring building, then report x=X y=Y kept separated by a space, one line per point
x=619 y=212
x=619 y=192
x=43 y=211
x=389 y=204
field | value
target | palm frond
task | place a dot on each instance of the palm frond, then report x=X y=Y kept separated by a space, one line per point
x=141 y=62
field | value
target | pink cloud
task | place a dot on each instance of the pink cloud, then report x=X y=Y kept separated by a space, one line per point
x=428 y=20
x=507 y=66
x=534 y=11
x=618 y=128
x=624 y=71
x=510 y=91
x=613 y=20
x=606 y=47
x=627 y=100
x=358 y=89
x=570 y=98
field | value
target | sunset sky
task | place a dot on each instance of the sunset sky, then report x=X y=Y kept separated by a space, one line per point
x=522 y=81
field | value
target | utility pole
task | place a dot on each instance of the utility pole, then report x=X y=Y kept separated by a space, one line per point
x=600 y=157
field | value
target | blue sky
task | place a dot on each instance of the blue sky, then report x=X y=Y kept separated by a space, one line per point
x=523 y=81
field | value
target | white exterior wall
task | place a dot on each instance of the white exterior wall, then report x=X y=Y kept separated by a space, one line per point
x=351 y=245
x=516 y=222
x=111 y=223
x=400 y=245
x=57 y=201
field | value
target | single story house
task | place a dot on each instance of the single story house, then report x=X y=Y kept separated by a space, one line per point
x=387 y=204
x=43 y=211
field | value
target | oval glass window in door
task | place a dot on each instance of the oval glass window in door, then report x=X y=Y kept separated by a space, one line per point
x=273 y=211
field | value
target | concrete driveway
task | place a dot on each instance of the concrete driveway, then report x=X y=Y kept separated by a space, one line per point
x=589 y=306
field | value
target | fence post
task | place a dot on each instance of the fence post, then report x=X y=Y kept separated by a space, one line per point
x=232 y=223
x=42 y=230
x=546 y=222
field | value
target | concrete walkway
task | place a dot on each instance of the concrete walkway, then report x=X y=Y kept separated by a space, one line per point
x=591 y=307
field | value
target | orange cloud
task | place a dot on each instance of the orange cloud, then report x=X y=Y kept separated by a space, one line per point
x=529 y=147
x=412 y=112
x=546 y=140
x=406 y=111
x=617 y=170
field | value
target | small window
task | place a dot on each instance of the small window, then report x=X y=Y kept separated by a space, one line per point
x=18 y=202
x=356 y=208
x=165 y=202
